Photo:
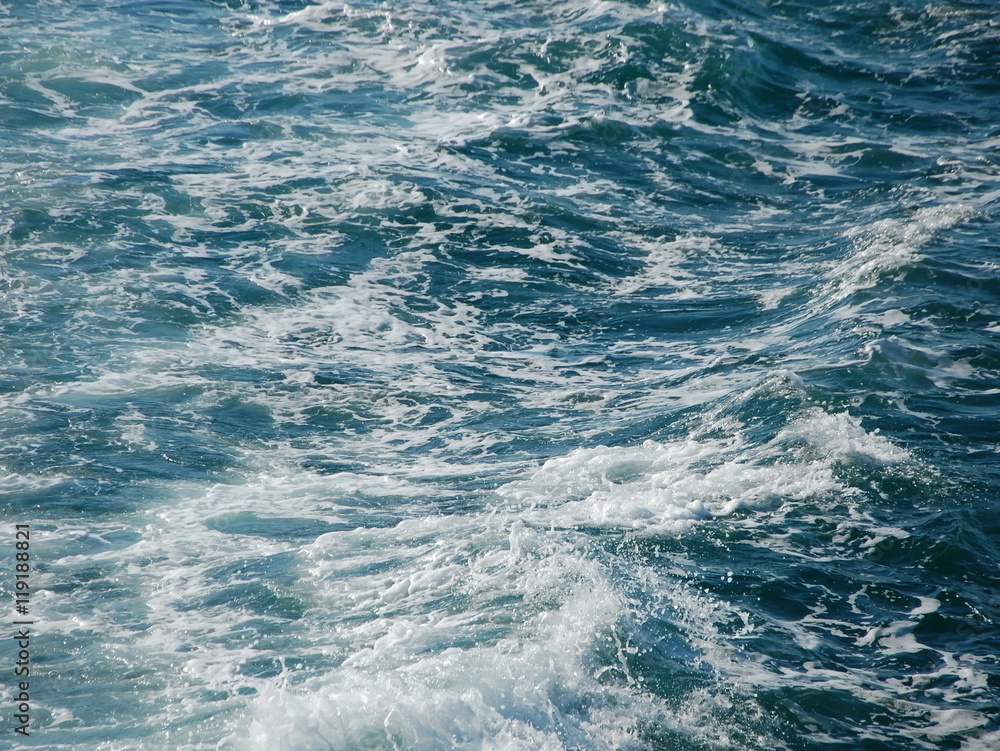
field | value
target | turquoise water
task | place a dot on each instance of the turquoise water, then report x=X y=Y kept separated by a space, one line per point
x=488 y=375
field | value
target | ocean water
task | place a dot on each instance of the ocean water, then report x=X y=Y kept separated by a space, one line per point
x=503 y=376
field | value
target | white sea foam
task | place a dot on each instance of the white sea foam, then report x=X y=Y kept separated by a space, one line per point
x=421 y=677
x=889 y=245
x=659 y=487
x=475 y=630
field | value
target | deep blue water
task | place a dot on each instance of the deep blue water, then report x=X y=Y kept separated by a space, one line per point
x=503 y=375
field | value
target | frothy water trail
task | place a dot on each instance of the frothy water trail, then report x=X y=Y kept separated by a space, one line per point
x=587 y=375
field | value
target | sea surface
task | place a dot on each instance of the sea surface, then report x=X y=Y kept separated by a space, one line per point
x=502 y=376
